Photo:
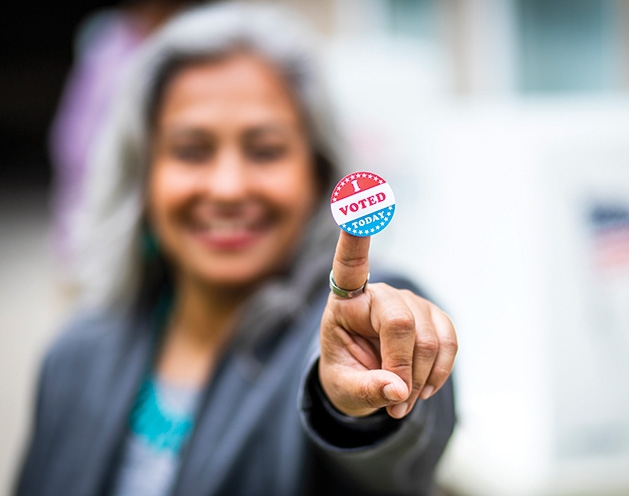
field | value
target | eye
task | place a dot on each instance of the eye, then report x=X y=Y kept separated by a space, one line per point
x=192 y=153
x=263 y=153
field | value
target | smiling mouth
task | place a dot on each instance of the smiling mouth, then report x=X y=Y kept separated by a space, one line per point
x=229 y=234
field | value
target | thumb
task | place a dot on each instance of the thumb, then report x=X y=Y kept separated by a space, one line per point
x=360 y=393
x=351 y=261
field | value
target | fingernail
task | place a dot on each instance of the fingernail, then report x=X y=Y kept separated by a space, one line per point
x=390 y=393
x=399 y=410
x=427 y=392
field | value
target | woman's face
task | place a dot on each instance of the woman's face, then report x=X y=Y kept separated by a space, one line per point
x=231 y=183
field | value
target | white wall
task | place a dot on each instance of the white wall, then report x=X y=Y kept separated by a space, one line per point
x=492 y=204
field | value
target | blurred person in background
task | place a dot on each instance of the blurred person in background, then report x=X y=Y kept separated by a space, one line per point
x=213 y=358
x=105 y=44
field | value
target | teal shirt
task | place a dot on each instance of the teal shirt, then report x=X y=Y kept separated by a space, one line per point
x=159 y=425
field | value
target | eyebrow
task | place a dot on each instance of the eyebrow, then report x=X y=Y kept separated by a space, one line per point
x=184 y=132
x=267 y=129
x=254 y=132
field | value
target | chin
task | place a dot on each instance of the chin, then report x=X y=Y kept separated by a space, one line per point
x=234 y=276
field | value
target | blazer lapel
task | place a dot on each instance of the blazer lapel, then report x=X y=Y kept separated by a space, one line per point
x=120 y=370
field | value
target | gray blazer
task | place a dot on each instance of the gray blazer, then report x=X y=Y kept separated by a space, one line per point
x=263 y=428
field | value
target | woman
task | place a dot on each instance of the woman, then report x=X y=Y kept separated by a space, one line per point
x=219 y=362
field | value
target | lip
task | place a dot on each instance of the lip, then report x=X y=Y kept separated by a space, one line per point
x=228 y=235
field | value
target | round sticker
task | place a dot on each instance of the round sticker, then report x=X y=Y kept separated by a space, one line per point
x=362 y=204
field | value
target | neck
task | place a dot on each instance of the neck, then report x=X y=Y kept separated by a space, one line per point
x=202 y=322
x=205 y=314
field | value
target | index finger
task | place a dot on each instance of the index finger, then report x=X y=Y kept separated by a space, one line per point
x=351 y=261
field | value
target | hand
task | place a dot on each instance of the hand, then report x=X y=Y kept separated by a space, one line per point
x=384 y=348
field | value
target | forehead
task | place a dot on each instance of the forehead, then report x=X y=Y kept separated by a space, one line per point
x=241 y=87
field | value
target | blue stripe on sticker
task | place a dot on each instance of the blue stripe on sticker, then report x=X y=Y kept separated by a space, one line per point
x=371 y=224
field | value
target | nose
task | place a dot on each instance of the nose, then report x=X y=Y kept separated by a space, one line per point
x=227 y=181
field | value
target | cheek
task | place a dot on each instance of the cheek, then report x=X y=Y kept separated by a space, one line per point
x=167 y=193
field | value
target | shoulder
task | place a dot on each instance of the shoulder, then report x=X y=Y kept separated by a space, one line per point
x=88 y=334
x=73 y=363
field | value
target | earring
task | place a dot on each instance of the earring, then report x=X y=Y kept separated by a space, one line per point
x=150 y=243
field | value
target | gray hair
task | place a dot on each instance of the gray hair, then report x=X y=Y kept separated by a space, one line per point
x=110 y=257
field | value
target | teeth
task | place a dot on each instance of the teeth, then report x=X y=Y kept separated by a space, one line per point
x=227 y=225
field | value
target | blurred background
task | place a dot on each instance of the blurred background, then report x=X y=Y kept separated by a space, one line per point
x=503 y=128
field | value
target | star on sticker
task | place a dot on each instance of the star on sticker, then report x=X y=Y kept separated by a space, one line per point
x=380 y=182
x=388 y=214
x=352 y=176
x=344 y=226
x=372 y=229
x=378 y=227
x=382 y=224
x=390 y=208
x=370 y=176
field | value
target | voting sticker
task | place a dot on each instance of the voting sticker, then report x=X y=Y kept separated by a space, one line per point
x=362 y=204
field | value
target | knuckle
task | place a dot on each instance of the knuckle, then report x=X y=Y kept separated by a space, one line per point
x=366 y=396
x=450 y=344
x=373 y=402
x=417 y=386
x=428 y=346
x=399 y=362
x=351 y=262
x=440 y=373
x=400 y=323
x=407 y=293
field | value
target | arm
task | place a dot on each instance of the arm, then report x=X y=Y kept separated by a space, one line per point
x=378 y=402
x=386 y=455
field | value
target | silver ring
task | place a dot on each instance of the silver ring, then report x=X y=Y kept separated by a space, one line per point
x=346 y=293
